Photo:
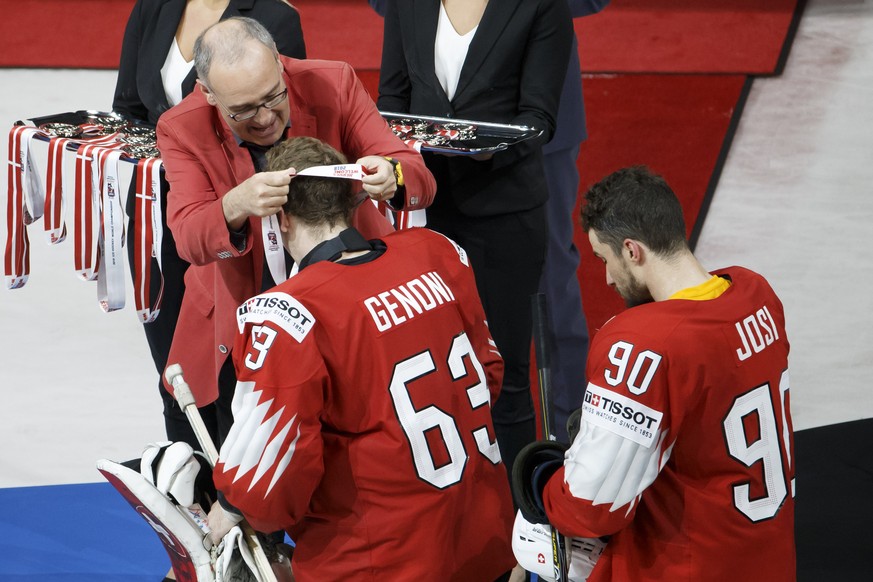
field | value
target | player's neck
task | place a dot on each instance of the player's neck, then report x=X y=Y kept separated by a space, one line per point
x=301 y=239
x=667 y=277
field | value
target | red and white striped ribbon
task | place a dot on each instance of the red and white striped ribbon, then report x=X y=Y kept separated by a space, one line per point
x=148 y=237
x=20 y=179
x=86 y=223
x=55 y=199
x=56 y=184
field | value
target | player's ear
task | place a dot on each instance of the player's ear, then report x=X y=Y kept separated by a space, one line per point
x=634 y=250
x=286 y=222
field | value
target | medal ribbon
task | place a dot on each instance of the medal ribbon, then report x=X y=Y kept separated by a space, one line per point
x=270 y=234
x=147 y=236
x=21 y=178
x=86 y=222
x=55 y=208
x=273 y=248
x=342 y=171
x=34 y=192
x=110 y=279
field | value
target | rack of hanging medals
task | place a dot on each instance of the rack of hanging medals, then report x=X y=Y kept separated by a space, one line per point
x=91 y=160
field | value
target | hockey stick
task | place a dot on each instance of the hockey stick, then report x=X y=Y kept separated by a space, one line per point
x=539 y=313
x=185 y=398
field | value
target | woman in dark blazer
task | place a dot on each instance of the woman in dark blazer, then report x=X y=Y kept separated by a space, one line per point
x=151 y=29
x=513 y=72
x=155 y=28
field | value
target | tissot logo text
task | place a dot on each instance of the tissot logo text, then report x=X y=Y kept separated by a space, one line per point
x=620 y=414
x=280 y=304
x=280 y=308
x=618 y=409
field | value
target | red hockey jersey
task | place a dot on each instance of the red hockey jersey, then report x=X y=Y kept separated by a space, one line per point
x=685 y=448
x=362 y=420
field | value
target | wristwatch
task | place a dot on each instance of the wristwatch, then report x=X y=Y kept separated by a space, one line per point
x=398 y=171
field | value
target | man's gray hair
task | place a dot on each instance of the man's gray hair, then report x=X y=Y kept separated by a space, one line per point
x=227 y=46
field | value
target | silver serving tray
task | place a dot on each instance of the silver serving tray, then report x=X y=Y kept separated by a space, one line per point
x=489 y=138
x=77 y=118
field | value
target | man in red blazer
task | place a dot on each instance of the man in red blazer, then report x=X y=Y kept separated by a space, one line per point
x=213 y=142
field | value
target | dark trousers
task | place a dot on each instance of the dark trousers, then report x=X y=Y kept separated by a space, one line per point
x=568 y=330
x=217 y=415
x=507 y=253
x=159 y=333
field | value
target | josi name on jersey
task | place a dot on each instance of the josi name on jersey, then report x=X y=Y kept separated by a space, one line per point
x=757 y=331
x=279 y=308
x=403 y=302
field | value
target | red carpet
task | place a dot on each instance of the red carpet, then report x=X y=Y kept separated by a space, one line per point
x=676 y=125
x=82 y=34
x=686 y=36
x=713 y=36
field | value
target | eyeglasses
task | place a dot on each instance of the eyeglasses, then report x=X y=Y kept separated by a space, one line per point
x=271 y=102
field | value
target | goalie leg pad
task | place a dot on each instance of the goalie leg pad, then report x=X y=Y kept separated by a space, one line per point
x=177 y=528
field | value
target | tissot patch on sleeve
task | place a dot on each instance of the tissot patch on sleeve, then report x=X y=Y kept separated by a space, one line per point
x=279 y=308
x=621 y=415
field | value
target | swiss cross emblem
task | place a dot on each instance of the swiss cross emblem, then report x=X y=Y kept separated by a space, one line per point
x=595 y=400
x=541 y=559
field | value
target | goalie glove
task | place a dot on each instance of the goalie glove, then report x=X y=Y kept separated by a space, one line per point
x=532 y=546
x=230 y=568
x=234 y=561
x=175 y=470
x=533 y=467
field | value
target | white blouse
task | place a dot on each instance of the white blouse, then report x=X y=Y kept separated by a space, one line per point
x=174 y=72
x=450 y=52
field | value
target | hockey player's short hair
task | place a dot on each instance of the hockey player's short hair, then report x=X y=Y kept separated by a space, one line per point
x=315 y=201
x=637 y=204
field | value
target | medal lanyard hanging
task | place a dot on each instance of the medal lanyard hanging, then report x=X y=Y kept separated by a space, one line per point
x=55 y=209
x=86 y=222
x=56 y=185
x=24 y=188
x=86 y=204
x=270 y=233
x=110 y=278
x=147 y=238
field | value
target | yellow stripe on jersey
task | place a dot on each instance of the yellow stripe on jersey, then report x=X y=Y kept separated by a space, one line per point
x=710 y=289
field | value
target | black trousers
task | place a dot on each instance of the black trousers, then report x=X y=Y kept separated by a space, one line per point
x=159 y=333
x=507 y=253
